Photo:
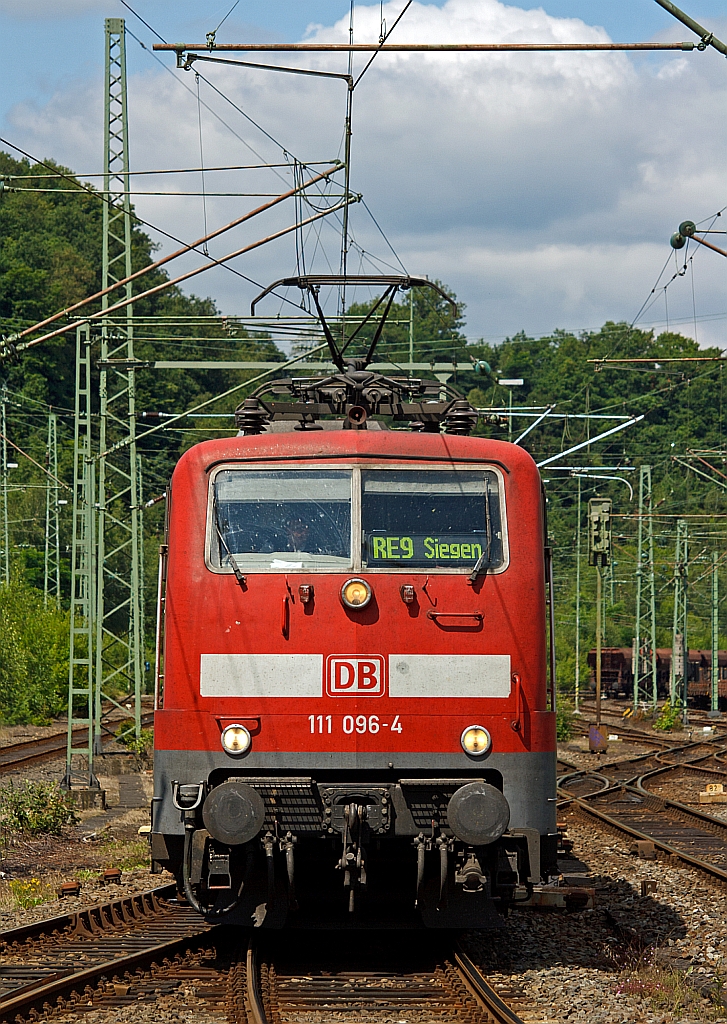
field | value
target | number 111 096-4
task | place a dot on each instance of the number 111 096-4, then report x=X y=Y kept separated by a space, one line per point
x=349 y=723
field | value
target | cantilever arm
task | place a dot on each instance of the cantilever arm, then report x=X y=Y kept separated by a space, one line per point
x=708 y=38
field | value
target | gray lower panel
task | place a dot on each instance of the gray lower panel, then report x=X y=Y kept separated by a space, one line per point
x=528 y=779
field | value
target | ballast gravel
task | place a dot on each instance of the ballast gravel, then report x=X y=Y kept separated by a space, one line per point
x=629 y=960
x=183 y=1007
x=656 y=959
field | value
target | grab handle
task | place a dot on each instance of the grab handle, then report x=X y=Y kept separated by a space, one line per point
x=477 y=616
x=516 y=724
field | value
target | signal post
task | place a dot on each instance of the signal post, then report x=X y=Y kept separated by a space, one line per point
x=599 y=555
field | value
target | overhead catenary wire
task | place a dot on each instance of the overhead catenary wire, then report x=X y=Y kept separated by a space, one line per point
x=209 y=401
x=165 y=45
x=191 y=91
x=173 y=170
x=228 y=100
x=168 y=195
x=214 y=31
x=92 y=192
x=382 y=39
x=157 y=264
x=25 y=455
x=123 y=303
x=244 y=114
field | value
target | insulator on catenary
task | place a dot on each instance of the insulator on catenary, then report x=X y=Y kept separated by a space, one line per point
x=461 y=418
x=250 y=418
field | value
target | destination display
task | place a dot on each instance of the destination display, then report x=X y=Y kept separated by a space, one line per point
x=423 y=549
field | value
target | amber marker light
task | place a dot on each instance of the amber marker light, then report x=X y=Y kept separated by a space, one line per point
x=476 y=741
x=356 y=593
x=236 y=739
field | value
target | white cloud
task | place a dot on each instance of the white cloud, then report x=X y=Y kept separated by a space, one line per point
x=542 y=187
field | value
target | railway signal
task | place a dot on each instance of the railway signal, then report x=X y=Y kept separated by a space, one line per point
x=599 y=554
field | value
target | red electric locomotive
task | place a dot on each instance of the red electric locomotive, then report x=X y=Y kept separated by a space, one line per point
x=354 y=725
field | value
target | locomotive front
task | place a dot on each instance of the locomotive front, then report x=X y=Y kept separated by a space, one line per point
x=353 y=725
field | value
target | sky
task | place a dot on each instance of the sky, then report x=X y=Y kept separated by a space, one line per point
x=542 y=188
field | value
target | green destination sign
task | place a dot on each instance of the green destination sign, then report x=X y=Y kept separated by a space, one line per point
x=452 y=549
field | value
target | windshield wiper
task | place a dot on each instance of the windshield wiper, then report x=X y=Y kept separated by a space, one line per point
x=239 y=576
x=483 y=562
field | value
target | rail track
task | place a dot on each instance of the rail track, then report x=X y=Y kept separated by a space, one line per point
x=72 y=960
x=48 y=748
x=379 y=977
x=144 y=947
x=621 y=795
x=613 y=712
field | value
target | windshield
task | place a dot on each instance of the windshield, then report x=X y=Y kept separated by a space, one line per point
x=431 y=519
x=283 y=519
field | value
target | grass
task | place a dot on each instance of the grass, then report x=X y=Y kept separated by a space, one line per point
x=672 y=991
x=128 y=856
x=665 y=989
x=28 y=894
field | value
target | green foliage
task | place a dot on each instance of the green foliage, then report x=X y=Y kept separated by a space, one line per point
x=669 y=717
x=33 y=656
x=684 y=408
x=437 y=328
x=50 y=255
x=141 y=746
x=28 y=893
x=35 y=808
x=564 y=723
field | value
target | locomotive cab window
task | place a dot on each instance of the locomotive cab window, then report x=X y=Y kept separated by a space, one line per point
x=282 y=519
x=429 y=519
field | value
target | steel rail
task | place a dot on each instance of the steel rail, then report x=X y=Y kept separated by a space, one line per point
x=482 y=990
x=607 y=774
x=467 y=973
x=17 y=755
x=607 y=770
x=255 y=1006
x=112 y=922
x=49 y=925
x=620 y=826
x=689 y=766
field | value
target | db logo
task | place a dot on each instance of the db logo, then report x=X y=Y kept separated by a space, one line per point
x=355 y=677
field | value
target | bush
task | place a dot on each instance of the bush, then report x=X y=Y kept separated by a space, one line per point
x=39 y=807
x=671 y=716
x=564 y=723
x=33 y=657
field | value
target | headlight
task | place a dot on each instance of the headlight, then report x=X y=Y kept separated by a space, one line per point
x=476 y=741
x=236 y=739
x=356 y=593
